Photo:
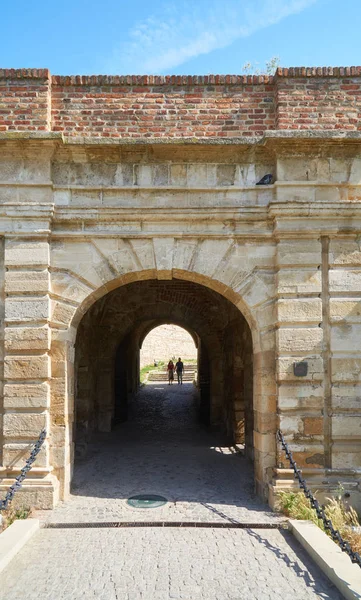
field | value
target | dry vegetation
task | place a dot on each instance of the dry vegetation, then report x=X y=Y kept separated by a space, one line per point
x=11 y=514
x=343 y=517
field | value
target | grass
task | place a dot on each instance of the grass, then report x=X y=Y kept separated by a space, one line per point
x=343 y=517
x=144 y=371
x=11 y=514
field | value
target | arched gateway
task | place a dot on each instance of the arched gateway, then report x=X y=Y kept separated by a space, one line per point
x=110 y=226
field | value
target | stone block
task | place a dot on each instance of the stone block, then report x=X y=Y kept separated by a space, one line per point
x=346 y=337
x=24 y=425
x=209 y=255
x=344 y=280
x=15 y=455
x=342 y=309
x=345 y=252
x=26 y=395
x=62 y=197
x=69 y=287
x=291 y=424
x=302 y=396
x=163 y=252
x=299 y=281
x=345 y=369
x=36 y=195
x=300 y=340
x=24 y=309
x=346 y=426
x=313 y=426
x=26 y=253
x=299 y=252
x=27 y=338
x=26 y=367
x=197 y=175
x=143 y=249
x=345 y=456
x=264 y=442
x=62 y=313
x=178 y=175
x=80 y=258
x=32 y=282
x=258 y=289
x=294 y=310
x=346 y=397
x=85 y=198
x=285 y=369
x=296 y=193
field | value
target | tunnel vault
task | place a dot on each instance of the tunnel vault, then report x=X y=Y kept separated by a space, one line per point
x=110 y=336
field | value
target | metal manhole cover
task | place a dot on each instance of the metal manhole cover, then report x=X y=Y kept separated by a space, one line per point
x=147 y=501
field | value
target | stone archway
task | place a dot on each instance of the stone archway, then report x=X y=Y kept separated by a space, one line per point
x=254 y=305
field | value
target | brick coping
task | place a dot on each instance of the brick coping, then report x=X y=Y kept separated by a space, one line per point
x=179 y=80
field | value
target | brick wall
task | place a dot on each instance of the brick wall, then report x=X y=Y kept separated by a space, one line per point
x=180 y=106
x=119 y=106
x=24 y=100
x=323 y=98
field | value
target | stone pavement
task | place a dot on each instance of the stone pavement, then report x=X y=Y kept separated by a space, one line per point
x=163 y=564
x=163 y=450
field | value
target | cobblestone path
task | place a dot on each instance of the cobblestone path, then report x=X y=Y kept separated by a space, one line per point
x=162 y=450
x=163 y=564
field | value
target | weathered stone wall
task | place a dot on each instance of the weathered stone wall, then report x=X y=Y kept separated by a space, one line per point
x=166 y=341
x=82 y=218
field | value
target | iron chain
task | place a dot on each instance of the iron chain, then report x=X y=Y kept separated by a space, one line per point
x=335 y=534
x=24 y=471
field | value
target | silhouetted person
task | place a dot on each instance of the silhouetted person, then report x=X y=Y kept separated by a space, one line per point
x=179 y=367
x=170 y=369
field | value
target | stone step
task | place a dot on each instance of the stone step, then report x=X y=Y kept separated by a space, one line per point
x=188 y=374
x=164 y=377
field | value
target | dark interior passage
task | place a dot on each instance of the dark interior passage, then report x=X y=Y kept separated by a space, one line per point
x=108 y=343
x=163 y=449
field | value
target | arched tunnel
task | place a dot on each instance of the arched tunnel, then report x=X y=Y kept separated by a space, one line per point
x=107 y=348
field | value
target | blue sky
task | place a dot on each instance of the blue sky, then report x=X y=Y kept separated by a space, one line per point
x=179 y=36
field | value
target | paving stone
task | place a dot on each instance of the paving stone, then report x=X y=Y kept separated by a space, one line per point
x=162 y=450
x=108 y=563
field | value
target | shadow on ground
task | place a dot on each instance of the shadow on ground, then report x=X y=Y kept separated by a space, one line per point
x=163 y=450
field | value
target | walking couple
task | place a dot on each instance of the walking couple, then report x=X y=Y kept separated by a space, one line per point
x=178 y=368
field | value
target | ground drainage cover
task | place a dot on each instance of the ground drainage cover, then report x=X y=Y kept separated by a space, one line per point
x=146 y=501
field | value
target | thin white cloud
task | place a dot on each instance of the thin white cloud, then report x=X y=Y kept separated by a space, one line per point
x=185 y=30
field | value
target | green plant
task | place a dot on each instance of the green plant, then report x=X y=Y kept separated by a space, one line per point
x=297 y=506
x=343 y=517
x=12 y=514
x=270 y=67
x=144 y=371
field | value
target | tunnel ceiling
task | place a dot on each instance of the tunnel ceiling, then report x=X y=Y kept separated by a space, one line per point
x=184 y=303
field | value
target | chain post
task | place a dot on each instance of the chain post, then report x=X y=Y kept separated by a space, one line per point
x=335 y=534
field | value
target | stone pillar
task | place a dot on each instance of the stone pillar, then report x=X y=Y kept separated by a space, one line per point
x=300 y=339
x=345 y=362
x=62 y=406
x=27 y=368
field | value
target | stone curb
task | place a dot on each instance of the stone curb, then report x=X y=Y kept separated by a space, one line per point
x=14 y=538
x=334 y=563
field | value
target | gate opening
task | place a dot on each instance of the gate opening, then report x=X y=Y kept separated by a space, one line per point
x=110 y=350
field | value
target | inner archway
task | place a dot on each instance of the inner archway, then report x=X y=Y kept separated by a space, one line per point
x=165 y=342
